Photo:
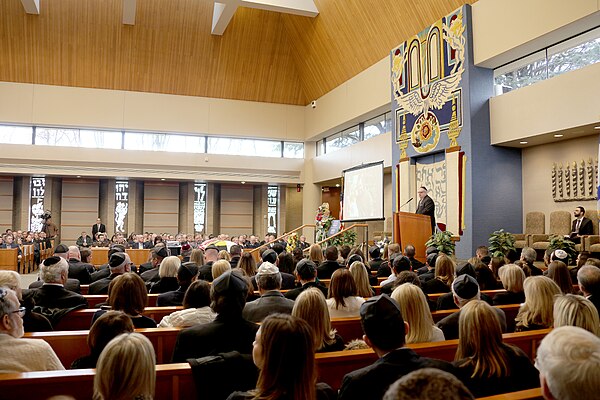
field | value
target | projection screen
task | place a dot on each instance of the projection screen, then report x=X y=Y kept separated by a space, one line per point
x=363 y=193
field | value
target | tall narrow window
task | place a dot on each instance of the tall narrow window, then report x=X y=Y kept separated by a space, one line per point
x=199 y=207
x=121 y=205
x=272 y=205
x=37 y=189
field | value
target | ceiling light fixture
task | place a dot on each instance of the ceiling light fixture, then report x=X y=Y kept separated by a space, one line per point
x=522 y=142
x=162 y=179
x=559 y=135
x=243 y=182
x=337 y=185
x=597 y=127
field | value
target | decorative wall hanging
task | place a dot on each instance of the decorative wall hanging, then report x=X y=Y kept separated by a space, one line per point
x=574 y=181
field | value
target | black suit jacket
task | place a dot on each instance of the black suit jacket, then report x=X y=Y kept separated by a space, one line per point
x=427 y=207
x=72 y=285
x=101 y=286
x=173 y=298
x=54 y=296
x=586 y=227
x=222 y=335
x=327 y=268
x=372 y=382
x=95 y=229
x=80 y=271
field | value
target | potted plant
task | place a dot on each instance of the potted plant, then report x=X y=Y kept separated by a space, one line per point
x=501 y=243
x=560 y=242
x=346 y=238
x=443 y=242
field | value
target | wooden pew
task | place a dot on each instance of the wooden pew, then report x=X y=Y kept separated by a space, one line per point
x=99 y=255
x=9 y=259
x=82 y=319
x=349 y=328
x=95 y=299
x=529 y=394
x=173 y=381
x=84 y=289
x=70 y=345
x=491 y=293
x=138 y=256
x=334 y=365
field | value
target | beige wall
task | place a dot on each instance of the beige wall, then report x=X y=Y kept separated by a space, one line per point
x=79 y=208
x=537 y=179
x=505 y=30
x=6 y=203
x=236 y=209
x=293 y=208
x=161 y=207
x=563 y=102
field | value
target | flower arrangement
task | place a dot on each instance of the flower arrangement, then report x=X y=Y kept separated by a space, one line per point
x=292 y=242
x=323 y=221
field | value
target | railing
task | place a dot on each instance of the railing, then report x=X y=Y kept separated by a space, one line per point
x=341 y=232
x=255 y=252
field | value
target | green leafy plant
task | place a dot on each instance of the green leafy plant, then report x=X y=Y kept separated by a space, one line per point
x=560 y=242
x=501 y=243
x=346 y=238
x=443 y=242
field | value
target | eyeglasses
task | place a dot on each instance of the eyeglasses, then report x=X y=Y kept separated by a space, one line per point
x=21 y=311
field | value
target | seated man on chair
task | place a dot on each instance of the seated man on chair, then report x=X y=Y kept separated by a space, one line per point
x=581 y=226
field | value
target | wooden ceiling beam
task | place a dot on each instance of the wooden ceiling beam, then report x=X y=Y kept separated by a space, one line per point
x=31 y=6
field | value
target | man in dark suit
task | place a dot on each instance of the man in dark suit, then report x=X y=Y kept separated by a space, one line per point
x=84 y=240
x=581 y=225
x=140 y=243
x=158 y=254
x=185 y=274
x=118 y=264
x=98 y=227
x=426 y=206
x=306 y=273
x=328 y=267
x=229 y=331
x=588 y=278
x=52 y=294
x=288 y=281
x=268 y=279
x=210 y=256
x=385 y=331
x=103 y=271
x=77 y=269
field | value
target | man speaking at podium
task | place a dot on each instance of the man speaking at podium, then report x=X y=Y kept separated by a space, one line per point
x=426 y=206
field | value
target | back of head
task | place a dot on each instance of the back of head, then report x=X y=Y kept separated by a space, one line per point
x=268 y=277
x=53 y=268
x=269 y=255
x=374 y=252
x=465 y=288
x=559 y=273
x=512 y=277
x=287 y=368
x=278 y=248
x=306 y=270
x=11 y=280
x=393 y=249
x=107 y=327
x=315 y=254
x=342 y=285
x=331 y=253
x=345 y=251
x=128 y=293
x=382 y=323
x=528 y=255
x=197 y=257
x=223 y=255
x=228 y=293
x=428 y=384
x=588 y=278
x=219 y=268
x=401 y=263
x=409 y=251
x=310 y=305
x=169 y=266
x=197 y=295
x=285 y=263
x=415 y=310
x=126 y=369
x=74 y=252
x=573 y=310
x=569 y=363
x=361 y=279
x=61 y=251
x=444 y=269
x=186 y=272
x=235 y=250
x=539 y=296
x=247 y=264
x=408 y=277
x=480 y=340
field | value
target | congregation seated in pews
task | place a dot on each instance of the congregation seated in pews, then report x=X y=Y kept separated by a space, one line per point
x=319 y=302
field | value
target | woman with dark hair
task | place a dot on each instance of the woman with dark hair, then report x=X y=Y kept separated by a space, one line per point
x=128 y=293
x=196 y=308
x=485 y=364
x=285 y=263
x=298 y=255
x=559 y=273
x=283 y=351
x=158 y=239
x=106 y=328
x=247 y=264
x=342 y=296
x=495 y=264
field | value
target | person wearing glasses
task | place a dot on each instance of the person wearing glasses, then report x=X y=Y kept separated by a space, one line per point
x=18 y=354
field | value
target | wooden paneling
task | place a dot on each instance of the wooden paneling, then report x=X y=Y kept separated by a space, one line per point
x=169 y=50
x=263 y=55
x=6 y=203
x=79 y=208
x=161 y=207
x=237 y=206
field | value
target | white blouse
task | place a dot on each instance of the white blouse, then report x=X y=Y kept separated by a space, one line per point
x=188 y=317
x=351 y=310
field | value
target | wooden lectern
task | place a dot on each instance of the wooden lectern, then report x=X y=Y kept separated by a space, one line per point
x=412 y=229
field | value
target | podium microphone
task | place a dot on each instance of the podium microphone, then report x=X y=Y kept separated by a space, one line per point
x=409 y=200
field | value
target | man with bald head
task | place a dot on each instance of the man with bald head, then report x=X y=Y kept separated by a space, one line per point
x=78 y=269
x=210 y=256
x=588 y=278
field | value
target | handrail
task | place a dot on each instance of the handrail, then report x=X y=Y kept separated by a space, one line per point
x=339 y=233
x=282 y=236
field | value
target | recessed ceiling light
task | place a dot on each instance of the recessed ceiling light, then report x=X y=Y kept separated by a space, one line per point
x=597 y=127
x=522 y=142
x=243 y=182
x=559 y=135
x=162 y=179
x=79 y=176
x=337 y=185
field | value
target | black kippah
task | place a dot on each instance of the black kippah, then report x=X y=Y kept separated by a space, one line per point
x=51 y=261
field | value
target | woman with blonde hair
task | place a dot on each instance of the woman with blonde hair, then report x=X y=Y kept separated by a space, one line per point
x=315 y=254
x=512 y=277
x=361 y=279
x=219 y=268
x=485 y=364
x=415 y=311
x=197 y=257
x=167 y=273
x=574 y=310
x=536 y=312
x=223 y=255
x=311 y=306
x=559 y=273
x=444 y=276
x=126 y=369
x=342 y=296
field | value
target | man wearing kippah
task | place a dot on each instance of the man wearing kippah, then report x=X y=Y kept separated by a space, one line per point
x=118 y=264
x=384 y=331
x=268 y=279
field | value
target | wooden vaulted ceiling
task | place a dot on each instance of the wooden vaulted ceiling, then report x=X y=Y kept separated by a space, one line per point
x=262 y=56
